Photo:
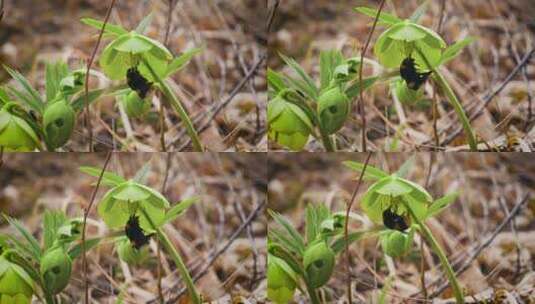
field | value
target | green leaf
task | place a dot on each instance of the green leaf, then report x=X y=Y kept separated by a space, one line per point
x=329 y=60
x=179 y=208
x=51 y=224
x=308 y=81
x=55 y=72
x=371 y=173
x=275 y=82
x=76 y=251
x=311 y=223
x=33 y=99
x=108 y=179
x=340 y=244
x=32 y=242
x=384 y=18
x=292 y=232
x=78 y=104
x=181 y=61
x=419 y=12
x=354 y=90
x=144 y=24
x=440 y=204
x=110 y=29
x=403 y=171
x=455 y=49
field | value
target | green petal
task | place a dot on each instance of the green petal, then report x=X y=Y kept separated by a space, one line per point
x=131 y=192
x=131 y=43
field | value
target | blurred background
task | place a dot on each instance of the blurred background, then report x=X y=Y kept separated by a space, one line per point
x=490 y=185
x=503 y=30
x=232 y=33
x=232 y=195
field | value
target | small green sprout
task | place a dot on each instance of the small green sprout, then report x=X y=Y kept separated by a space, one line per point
x=306 y=263
x=299 y=107
x=402 y=207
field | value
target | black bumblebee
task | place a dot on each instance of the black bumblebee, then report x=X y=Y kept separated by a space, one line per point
x=135 y=233
x=394 y=221
x=137 y=82
x=410 y=74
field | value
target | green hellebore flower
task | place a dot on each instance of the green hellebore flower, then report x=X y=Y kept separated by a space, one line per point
x=72 y=81
x=58 y=122
x=319 y=263
x=396 y=243
x=399 y=41
x=122 y=201
x=56 y=267
x=333 y=109
x=281 y=280
x=124 y=52
x=289 y=125
x=129 y=254
x=15 y=133
x=395 y=193
x=134 y=105
x=16 y=286
x=406 y=95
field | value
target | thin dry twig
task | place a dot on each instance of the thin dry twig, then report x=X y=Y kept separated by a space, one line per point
x=1 y=9
x=361 y=93
x=272 y=15
x=87 y=118
x=218 y=252
x=86 y=214
x=346 y=227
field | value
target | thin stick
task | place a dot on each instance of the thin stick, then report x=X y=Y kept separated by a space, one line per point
x=1 y=9
x=1 y=152
x=346 y=225
x=158 y=247
x=361 y=93
x=435 y=101
x=87 y=118
x=86 y=214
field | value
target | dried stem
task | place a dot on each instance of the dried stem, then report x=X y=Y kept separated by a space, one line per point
x=87 y=114
x=346 y=227
x=86 y=214
x=361 y=93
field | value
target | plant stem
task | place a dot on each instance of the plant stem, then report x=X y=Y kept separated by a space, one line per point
x=171 y=250
x=457 y=291
x=177 y=106
x=327 y=141
x=314 y=299
x=472 y=142
x=454 y=101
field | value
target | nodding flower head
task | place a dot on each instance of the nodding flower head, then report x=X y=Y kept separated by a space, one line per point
x=333 y=109
x=56 y=267
x=131 y=255
x=318 y=261
x=394 y=195
x=58 y=121
x=16 y=286
x=134 y=105
x=281 y=280
x=15 y=133
x=122 y=202
x=396 y=243
x=289 y=125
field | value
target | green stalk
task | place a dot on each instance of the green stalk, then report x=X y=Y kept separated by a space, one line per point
x=454 y=101
x=457 y=291
x=177 y=106
x=327 y=140
x=171 y=250
x=314 y=299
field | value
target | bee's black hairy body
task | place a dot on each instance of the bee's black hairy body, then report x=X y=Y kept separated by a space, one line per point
x=410 y=74
x=135 y=233
x=394 y=221
x=137 y=82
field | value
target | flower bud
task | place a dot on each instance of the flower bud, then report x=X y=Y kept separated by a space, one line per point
x=406 y=95
x=56 y=266
x=15 y=133
x=281 y=280
x=134 y=105
x=58 y=122
x=396 y=243
x=130 y=255
x=333 y=109
x=16 y=286
x=319 y=264
x=289 y=125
